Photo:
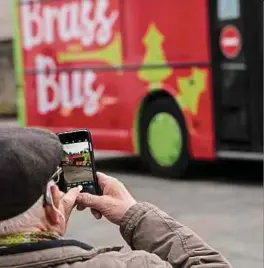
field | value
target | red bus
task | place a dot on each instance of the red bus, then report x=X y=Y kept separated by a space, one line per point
x=169 y=80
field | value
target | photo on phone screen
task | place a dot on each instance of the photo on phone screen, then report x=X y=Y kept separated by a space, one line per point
x=77 y=163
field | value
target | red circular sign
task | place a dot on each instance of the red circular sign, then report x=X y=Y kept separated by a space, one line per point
x=230 y=41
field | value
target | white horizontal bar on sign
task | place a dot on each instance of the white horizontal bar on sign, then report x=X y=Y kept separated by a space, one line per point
x=234 y=66
x=240 y=155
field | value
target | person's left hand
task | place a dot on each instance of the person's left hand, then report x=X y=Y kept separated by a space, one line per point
x=65 y=202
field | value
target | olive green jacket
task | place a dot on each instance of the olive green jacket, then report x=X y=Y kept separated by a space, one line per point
x=156 y=239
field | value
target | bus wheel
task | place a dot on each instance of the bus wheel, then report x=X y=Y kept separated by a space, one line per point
x=163 y=139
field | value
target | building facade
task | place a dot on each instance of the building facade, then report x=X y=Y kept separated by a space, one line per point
x=7 y=79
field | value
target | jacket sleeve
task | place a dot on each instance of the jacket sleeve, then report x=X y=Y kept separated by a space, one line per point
x=145 y=227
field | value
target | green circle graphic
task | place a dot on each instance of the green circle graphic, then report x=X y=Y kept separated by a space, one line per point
x=164 y=139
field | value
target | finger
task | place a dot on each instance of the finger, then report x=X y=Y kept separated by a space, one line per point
x=69 y=199
x=90 y=200
x=104 y=179
x=96 y=214
x=80 y=208
x=61 y=194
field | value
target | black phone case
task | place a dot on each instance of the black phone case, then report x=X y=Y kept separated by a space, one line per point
x=62 y=185
x=97 y=187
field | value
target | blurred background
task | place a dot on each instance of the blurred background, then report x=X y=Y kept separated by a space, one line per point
x=222 y=200
x=7 y=77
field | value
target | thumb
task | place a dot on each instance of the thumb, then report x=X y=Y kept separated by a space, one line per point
x=70 y=197
x=90 y=200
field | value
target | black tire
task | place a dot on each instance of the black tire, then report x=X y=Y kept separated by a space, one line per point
x=168 y=106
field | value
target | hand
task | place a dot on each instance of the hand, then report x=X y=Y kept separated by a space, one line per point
x=114 y=202
x=68 y=201
x=60 y=210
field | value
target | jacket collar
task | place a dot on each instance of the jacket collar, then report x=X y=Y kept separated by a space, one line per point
x=11 y=240
x=47 y=253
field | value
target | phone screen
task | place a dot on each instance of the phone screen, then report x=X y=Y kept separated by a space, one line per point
x=77 y=161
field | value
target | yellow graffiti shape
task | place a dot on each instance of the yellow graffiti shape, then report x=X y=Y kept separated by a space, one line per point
x=191 y=89
x=111 y=54
x=155 y=54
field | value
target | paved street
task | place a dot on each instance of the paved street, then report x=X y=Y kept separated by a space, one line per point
x=222 y=202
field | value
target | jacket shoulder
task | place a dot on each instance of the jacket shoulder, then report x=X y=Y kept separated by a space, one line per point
x=131 y=259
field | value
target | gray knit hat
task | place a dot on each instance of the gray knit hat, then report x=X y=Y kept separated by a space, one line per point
x=28 y=158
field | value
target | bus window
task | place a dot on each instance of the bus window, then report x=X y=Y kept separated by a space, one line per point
x=228 y=9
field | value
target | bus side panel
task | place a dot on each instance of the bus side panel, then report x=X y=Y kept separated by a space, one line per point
x=175 y=26
x=70 y=75
x=174 y=56
x=82 y=89
x=196 y=107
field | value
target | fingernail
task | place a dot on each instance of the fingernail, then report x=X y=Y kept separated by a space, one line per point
x=80 y=187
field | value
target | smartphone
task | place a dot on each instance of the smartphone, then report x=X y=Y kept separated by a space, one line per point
x=78 y=165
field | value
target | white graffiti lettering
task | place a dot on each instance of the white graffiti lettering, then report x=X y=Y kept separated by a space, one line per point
x=69 y=90
x=86 y=21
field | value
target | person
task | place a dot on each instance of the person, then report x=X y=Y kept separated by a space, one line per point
x=34 y=216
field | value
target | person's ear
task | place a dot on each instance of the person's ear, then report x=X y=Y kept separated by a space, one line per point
x=53 y=202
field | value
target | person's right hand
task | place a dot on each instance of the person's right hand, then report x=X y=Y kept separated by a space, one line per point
x=114 y=202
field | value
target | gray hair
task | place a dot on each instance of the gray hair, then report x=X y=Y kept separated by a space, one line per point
x=26 y=221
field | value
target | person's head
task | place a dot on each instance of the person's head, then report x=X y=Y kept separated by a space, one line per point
x=29 y=197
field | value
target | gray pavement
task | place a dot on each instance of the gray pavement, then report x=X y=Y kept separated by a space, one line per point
x=227 y=214
x=222 y=202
